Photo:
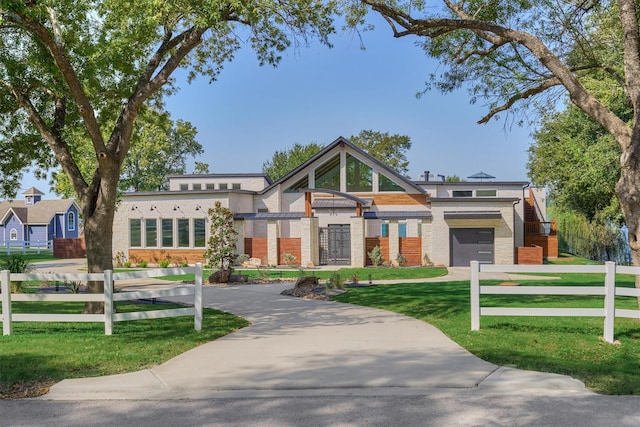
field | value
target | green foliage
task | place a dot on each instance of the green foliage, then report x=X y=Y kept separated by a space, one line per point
x=389 y=149
x=15 y=263
x=75 y=286
x=159 y=147
x=401 y=260
x=376 y=256
x=164 y=263
x=580 y=164
x=288 y=159
x=335 y=281
x=289 y=259
x=221 y=246
x=590 y=239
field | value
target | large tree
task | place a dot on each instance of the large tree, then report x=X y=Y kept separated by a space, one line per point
x=389 y=149
x=159 y=147
x=73 y=71
x=284 y=161
x=513 y=53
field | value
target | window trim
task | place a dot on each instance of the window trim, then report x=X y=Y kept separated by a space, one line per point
x=71 y=221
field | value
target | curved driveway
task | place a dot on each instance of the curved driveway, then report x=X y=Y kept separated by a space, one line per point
x=306 y=347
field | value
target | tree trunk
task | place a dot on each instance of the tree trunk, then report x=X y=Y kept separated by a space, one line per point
x=98 y=232
x=628 y=193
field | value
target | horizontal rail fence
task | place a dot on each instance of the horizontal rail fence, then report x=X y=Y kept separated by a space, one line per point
x=109 y=297
x=24 y=246
x=608 y=291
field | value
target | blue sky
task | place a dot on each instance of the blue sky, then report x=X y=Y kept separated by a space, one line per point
x=317 y=94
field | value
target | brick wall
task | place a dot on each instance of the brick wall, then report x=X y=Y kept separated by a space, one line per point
x=175 y=256
x=69 y=248
x=256 y=247
x=289 y=245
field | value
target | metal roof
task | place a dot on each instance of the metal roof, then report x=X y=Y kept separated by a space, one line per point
x=252 y=216
x=397 y=215
x=473 y=215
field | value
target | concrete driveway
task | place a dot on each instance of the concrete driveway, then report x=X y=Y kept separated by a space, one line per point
x=302 y=347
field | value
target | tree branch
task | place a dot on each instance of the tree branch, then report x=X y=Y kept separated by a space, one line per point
x=547 y=84
x=60 y=58
x=52 y=136
x=489 y=30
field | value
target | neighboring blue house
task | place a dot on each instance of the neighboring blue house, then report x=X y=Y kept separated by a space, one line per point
x=34 y=221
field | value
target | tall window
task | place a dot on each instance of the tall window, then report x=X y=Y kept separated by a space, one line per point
x=151 y=232
x=199 y=233
x=359 y=175
x=183 y=233
x=328 y=175
x=167 y=233
x=385 y=184
x=13 y=234
x=71 y=221
x=135 y=233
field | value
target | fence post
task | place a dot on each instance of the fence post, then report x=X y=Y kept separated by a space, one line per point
x=197 y=304
x=475 y=295
x=609 y=300
x=108 y=302
x=6 y=302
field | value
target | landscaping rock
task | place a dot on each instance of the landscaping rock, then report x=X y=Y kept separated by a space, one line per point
x=220 y=276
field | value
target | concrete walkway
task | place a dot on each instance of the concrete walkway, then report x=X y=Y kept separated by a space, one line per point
x=297 y=347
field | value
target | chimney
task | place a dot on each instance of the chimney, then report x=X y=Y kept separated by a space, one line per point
x=426 y=176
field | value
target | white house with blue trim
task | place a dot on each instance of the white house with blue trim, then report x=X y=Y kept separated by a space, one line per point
x=34 y=221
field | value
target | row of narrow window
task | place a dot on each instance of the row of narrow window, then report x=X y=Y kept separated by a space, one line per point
x=160 y=233
x=211 y=186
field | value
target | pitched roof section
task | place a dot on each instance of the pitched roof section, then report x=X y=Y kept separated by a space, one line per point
x=341 y=141
x=33 y=191
x=39 y=213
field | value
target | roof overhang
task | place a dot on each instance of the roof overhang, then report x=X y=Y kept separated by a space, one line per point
x=473 y=215
x=398 y=215
x=251 y=216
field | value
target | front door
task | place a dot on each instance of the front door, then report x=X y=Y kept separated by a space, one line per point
x=335 y=245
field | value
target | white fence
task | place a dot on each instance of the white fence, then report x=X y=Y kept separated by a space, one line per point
x=109 y=297
x=24 y=246
x=608 y=290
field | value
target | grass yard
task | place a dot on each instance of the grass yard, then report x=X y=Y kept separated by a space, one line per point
x=38 y=355
x=563 y=345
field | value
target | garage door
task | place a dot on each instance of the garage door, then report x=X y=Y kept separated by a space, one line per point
x=469 y=244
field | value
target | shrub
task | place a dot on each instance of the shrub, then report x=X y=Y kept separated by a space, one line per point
x=15 y=263
x=376 y=256
x=335 y=281
x=74 y=286
x=401 y=260
x=143 y=264
x=289 y=259
x=165 y=263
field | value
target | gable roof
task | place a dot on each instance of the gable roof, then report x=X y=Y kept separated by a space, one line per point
x=36 y=214
x=340 y=142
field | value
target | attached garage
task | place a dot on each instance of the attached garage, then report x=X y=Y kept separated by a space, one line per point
x=471 y=244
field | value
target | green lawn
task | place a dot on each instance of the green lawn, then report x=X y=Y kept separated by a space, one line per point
x=347 y=274
x=37 y=355
x=564 y=345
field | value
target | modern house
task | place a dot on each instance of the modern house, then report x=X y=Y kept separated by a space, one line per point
x=334 y=209
x=34 y=222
